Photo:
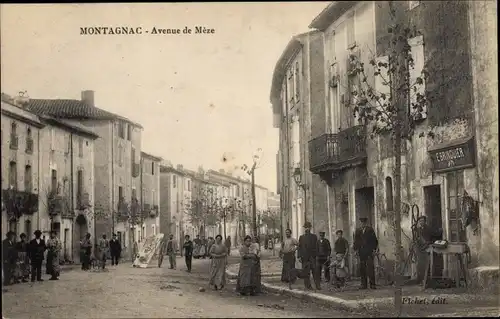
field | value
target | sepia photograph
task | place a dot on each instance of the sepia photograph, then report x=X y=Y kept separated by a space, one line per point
x=314 y=159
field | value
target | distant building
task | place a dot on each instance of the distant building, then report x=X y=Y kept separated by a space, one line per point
x=150 y=196
x=116 y=162
x=20 y=169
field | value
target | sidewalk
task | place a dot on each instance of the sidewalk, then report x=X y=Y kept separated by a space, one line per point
x=379 y=302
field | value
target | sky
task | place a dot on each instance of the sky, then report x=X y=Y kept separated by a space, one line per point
x=199 y=97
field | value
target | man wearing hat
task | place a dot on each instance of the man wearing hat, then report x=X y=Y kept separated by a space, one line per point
x=115 y=249
x=365 y=244
x=324 y=252
x=36 y=249
x=9 y=257
x=307 y=253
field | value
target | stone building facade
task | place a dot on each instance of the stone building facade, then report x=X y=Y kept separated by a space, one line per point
x=297 y=92
x=150 y=196
x=442 y=166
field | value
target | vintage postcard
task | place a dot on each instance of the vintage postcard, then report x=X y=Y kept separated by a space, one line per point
x=246 y=160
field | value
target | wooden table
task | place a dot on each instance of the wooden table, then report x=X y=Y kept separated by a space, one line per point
x=458 y=250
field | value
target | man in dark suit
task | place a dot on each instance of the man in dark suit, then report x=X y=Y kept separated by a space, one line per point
x=36 y=250
x=308 y=252
x=365 y=244
x=115 y=249
x=324 y=252
x=9 y=257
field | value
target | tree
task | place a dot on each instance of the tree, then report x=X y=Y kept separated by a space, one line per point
x=395 y=111
x=204 y=209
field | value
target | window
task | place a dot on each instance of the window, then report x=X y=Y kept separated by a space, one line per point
x=153 y=196
x=334 y=96
x=79 y=186
x=153 y=229
x=389 y=199
x=29 y=141
x=120 y=155
x=121 y=129
x=455 y=190
x=80 y=147
x=120 y=193
x=129 y=132
x=291 y=87
x=13 y=175
x=52 y=139
x=413 y=4
x=28 y=179
x=13 y=129
x=53 y=181
x=351 y=32
x=297 y=81
x=189 y=185
x=152 y=168
x=13 y=136
x=134 y=193
x=174 y=181
x=417 y=88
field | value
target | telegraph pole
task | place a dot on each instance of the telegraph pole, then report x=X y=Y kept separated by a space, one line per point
x=254 y=206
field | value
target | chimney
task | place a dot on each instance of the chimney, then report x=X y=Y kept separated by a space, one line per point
x=180 y=167
x=88 y=97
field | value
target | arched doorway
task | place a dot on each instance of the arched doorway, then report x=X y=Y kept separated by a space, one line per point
x=81 y=229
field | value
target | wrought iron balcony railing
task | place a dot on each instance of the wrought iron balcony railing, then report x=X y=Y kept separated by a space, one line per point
x=17 y=203
x=136 y=170
x=331 y=152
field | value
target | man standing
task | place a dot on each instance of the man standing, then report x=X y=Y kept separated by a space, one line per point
x=365 y=244
x=188 y=252
x=103 y=250
x=115 y=248
x=308 y=252
x=171 y=249
x=324 y=252
x=36 y=250
x=9 y=257
x=424 y=239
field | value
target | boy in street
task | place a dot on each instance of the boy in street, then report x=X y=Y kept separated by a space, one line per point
x=188 y=252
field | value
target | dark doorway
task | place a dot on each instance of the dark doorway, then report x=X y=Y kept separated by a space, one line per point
x=434 y=215
x=365 y=205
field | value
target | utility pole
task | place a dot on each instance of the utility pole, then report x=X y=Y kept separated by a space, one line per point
x=254 y=206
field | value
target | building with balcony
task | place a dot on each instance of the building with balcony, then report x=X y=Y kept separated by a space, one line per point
x=67 y=183
x=20 y=169
x=150 y=196
x=297 y=96
x=439 y=167
x=116 y=161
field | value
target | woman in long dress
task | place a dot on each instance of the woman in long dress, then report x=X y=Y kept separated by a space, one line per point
x=54 y=250
x=249 y=274
x=24 y=262
x=287 y=252
x=218 y=253
x=86 y=251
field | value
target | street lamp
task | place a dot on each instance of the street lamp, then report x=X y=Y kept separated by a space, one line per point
x=297 y=176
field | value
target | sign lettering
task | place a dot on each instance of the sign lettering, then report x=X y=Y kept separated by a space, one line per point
x=454 y=157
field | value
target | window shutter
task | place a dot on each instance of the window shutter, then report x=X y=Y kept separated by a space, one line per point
x=417 y=52
x=383 y=89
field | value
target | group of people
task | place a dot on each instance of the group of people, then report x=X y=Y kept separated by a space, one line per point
x=24 y=258
x=315 y=255
x=104 y=249
x=249 y=276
